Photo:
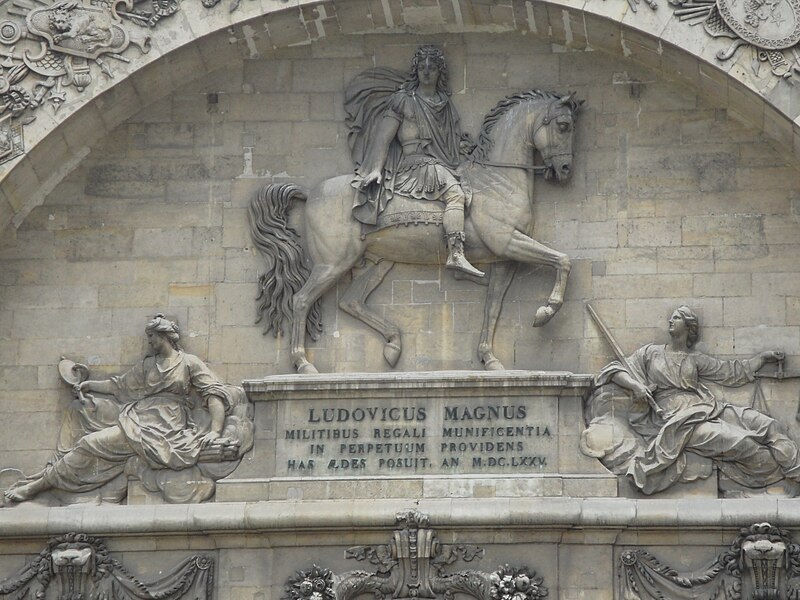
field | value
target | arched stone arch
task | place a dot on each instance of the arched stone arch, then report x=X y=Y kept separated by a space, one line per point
x=198 y=40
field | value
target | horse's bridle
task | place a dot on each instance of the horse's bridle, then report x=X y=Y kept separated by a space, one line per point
x=534 y=168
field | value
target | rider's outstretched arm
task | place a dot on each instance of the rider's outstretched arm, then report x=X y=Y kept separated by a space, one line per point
x=372 y=167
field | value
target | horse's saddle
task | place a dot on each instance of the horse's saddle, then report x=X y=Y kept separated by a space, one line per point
x=405 y=210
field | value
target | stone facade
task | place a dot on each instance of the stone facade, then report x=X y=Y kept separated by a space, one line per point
x=672 y=200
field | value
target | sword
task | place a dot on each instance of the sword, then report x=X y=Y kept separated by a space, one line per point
x=621 y=357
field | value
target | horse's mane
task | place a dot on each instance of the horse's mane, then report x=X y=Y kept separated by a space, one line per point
x=485 y=141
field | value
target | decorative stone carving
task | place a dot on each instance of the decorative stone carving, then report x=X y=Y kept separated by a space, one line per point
x=413 y=565
x=761 y=564
x=649 y=414
x=399 y=180
x=76 y=565
x=770 y=27
x=168 y=422
x=313 y=584
x=49 y=49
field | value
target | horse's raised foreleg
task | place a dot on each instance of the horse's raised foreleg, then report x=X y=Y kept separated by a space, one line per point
x=525 y=249
x=354 y=303
x=499 y=280
x=321 y=278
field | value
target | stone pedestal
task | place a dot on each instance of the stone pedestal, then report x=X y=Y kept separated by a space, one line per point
x=413 y=435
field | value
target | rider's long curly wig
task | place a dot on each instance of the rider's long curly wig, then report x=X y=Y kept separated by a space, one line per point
x=437 y=57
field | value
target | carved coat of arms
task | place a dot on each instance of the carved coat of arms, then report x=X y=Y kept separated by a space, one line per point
x=78 y=30
x=768 y=24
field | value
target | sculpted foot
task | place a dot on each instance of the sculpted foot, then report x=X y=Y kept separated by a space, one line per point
x=460 y=263
x=461 y=276
x=23 y=492
x=455 y=257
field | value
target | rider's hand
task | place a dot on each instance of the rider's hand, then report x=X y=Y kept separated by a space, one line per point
x=465 y=144
x=371 y=178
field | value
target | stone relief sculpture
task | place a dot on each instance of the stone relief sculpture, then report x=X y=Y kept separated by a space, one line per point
x=408 y=143
x=650 y=413
x=771 y=28
x=77 y=565
x=146 y=426
x=410 y=183
x=52 y=48
x=413 y=565
x=762 y=562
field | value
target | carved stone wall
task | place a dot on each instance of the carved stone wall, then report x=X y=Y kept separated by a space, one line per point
x=699 y=45
x=671 y=201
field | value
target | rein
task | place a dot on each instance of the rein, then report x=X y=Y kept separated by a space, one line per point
x=532 y=168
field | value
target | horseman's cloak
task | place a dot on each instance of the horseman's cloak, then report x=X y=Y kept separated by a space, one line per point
x=376 y=94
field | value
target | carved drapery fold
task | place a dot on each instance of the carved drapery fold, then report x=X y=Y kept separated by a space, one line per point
x=761 y=564
x=80 y=568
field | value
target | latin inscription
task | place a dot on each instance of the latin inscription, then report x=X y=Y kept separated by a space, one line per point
x=443 y=437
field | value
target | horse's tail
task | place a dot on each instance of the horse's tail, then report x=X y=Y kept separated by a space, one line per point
x=287 y=265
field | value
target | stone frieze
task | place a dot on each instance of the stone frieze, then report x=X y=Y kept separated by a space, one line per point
x=761 y=562
x=414 y=564
x=76 y=565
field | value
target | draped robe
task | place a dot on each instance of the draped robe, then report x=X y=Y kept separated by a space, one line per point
x=748 y=446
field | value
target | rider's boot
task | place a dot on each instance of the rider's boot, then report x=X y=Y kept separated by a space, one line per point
x=455 y=256
x=453 y=222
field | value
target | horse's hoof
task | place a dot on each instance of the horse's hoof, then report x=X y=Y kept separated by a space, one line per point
x=543 y=315
x=306 y=368
x=391 y=353
x=491 y=363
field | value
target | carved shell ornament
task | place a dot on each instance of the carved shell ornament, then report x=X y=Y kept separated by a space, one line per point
x=770 y=27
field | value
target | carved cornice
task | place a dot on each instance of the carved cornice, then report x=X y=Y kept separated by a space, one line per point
x=610 y=514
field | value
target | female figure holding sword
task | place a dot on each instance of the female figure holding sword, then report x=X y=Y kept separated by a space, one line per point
x=677 y=413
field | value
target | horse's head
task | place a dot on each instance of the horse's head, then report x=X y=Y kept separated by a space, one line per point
x=553 y=132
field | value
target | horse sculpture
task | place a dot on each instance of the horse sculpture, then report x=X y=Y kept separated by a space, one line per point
x=499 y=227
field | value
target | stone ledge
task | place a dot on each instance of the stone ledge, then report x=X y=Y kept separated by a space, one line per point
x=410 y=486
x=331 y=515
x=275 y=387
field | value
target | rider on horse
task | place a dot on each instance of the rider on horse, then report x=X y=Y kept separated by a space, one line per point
x=407 y=142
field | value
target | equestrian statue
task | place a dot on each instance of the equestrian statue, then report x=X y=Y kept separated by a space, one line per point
x=416 y=176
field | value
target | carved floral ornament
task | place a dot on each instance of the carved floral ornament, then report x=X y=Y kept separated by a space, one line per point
x=413 y=565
